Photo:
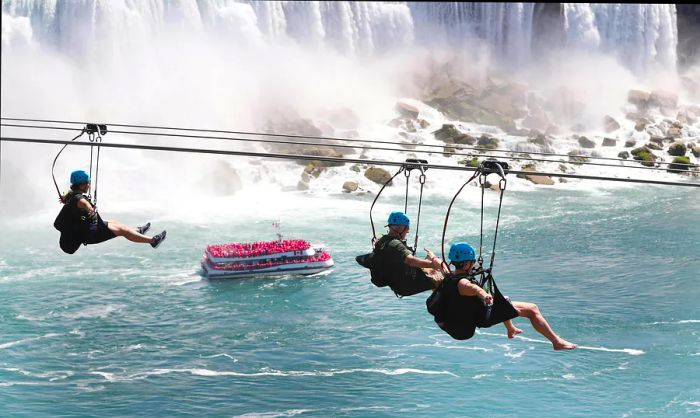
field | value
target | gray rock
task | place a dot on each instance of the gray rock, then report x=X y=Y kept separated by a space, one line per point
x=624 y=155
x=487 y=142
x=378 y=175
x=303 y=185
x=321 y=152
x=540 y=139
x=677 y=149
x=465 y=139
x=447 y=133
x=696 y=151
x=585 y=142
x=674 y=132
x=609 y=142
x=610 y=124
x=654 y=146
x=406 y=110
x=638 y=97
x=350 y=186
x=641 y=124
x=663 y=99
x=630 y=143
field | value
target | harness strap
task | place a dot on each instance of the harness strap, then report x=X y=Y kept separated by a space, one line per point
x=447 y=216
x=371 y=221
x=421 y=179
x=60 y=197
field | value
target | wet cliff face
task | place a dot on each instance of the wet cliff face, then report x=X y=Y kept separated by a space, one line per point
x=688 y=34
x=547 y=28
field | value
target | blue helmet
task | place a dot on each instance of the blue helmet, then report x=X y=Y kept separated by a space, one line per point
x=79 y=177
x=461 y=252
x=398 y=218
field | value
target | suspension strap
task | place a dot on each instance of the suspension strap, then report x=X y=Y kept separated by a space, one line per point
x=501 y=185
x=96 y=137
x=421 y=179
x=60 y=196
x=447 y=216
x=371 y=221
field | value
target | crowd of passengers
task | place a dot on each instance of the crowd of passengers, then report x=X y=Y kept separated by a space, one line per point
x=323 y=256
x=256 y=249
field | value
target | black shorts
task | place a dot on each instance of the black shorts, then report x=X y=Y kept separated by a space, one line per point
x=98 y=232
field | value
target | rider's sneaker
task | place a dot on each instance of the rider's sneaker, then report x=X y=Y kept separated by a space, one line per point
x=158 y=239
x=144 y=228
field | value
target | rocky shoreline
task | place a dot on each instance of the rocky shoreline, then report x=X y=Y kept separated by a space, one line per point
x=654 y=129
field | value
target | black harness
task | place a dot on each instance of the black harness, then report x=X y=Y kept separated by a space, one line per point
x=459 y=315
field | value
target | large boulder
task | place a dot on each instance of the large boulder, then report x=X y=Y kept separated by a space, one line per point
x=679 y=164
x=654 y=146
x=447 y=133
x=663 y=99
x=406 y=110
x=610 y=124
x=630 y=143
x=465 y=139
x=350 y=186
x=638 y=97
x=674 y=132
x=687 y=115
x=696 y=151
x=320 y=152
x=677 y=149
x=585 y=142
x=502 y=103
x=487 y=142
x=645 y=156
x=540 y=139
x=609 y=142
x=577 y=156
x=641 y=123
x=378 y=175
x=534 y=178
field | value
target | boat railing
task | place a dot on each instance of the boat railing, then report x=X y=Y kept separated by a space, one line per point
x=324 y=256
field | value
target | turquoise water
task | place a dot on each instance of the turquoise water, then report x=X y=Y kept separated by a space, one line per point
x=123 y=330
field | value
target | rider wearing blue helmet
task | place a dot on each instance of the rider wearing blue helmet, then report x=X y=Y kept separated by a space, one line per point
x=466 y=300
x=79 y=222
x=397 y=267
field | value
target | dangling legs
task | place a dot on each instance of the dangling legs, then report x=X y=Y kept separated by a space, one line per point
x=532 y=312
x=512 y=329
x=127 y=232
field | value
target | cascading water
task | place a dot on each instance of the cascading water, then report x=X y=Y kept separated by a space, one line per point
x=643 y=37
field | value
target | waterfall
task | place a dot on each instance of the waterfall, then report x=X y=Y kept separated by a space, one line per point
x=643 y=37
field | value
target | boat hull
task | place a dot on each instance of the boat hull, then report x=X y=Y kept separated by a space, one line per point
x=302 y=269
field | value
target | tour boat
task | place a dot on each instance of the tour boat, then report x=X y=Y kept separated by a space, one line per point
x=266 y=258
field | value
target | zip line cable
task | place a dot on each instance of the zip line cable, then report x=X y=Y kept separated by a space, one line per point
x=334 y=159
x=636 y=167
x=325 y=138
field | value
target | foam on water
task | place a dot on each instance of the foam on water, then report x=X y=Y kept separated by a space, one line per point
x=630 y=351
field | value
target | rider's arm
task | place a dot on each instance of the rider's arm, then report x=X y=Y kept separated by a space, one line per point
x=84 y=204
x=467 y=288
x=413 y=261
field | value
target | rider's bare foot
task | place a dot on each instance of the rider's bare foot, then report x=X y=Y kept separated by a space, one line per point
x=563 y=345
x=514 y=331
